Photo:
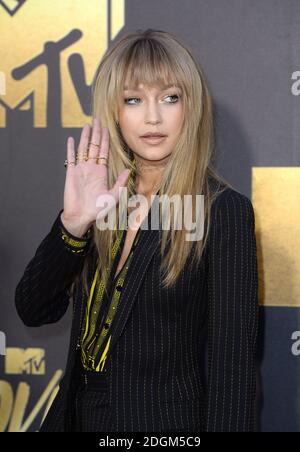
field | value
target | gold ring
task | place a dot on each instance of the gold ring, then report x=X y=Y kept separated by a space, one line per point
x=84 y=157
x=66 y=163
x=98 y=145
x=102 y=163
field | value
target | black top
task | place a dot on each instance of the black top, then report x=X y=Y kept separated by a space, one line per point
x=154 y=375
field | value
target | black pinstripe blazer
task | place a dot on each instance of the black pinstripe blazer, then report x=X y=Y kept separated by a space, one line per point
x=154 y=363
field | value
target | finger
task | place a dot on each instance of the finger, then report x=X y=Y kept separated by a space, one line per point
x=84 y=140
x=103 y=151
x=120 y=182
x=70 y=151
x=94 y=145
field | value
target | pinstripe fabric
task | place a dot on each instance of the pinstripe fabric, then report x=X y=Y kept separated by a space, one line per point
x=155 y=381
x=42 y=294
x=93 y=411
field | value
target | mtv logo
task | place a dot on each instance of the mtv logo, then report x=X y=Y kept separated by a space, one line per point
x=50 y=53
x=30 y=361
x=2 y=84
x=11 y=6
x=275 y=196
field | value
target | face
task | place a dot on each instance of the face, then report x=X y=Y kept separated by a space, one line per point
x=154 y=110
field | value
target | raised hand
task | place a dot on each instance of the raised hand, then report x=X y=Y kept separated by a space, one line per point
x=87 y=180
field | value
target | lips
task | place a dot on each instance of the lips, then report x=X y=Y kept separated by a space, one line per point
x=154 y=139
x=153 y=135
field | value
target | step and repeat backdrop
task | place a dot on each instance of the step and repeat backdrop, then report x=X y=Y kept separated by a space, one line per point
x=250 y=54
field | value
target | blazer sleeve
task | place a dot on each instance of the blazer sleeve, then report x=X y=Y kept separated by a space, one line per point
x=232 y=315
x=42 y=294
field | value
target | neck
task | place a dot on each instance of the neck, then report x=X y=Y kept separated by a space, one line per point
x=149 y=175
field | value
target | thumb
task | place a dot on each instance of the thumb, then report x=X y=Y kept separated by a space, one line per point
x=120 y=182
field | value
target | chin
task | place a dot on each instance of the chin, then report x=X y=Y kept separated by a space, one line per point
x=153 y=156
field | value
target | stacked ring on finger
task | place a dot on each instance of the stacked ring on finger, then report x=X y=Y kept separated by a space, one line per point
x=66 y=163
x=98 y=145
x=85 y=157
x=104 y=161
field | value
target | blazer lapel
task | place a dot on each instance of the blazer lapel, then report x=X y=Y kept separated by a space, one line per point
x=141 y=258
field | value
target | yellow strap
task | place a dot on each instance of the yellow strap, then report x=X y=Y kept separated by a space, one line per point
x=89 y=302
x=104 y=355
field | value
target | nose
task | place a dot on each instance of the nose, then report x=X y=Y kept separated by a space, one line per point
x=152 y=113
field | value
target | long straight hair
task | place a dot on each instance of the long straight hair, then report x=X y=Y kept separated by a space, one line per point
x=153 y=57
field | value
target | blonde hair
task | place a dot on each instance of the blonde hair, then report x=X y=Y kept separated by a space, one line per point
x=153 y=57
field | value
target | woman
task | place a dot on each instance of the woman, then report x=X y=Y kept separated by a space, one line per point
x=145 y=300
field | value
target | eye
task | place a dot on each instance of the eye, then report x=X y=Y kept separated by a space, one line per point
x=128 y=100
x=174 y=95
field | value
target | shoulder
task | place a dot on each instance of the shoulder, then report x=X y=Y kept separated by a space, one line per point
x=232 y=208
x=231 y=199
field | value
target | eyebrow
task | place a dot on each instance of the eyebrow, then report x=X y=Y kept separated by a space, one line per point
x=138 y=89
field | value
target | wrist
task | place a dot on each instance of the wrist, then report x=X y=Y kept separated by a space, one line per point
x=74 y=226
